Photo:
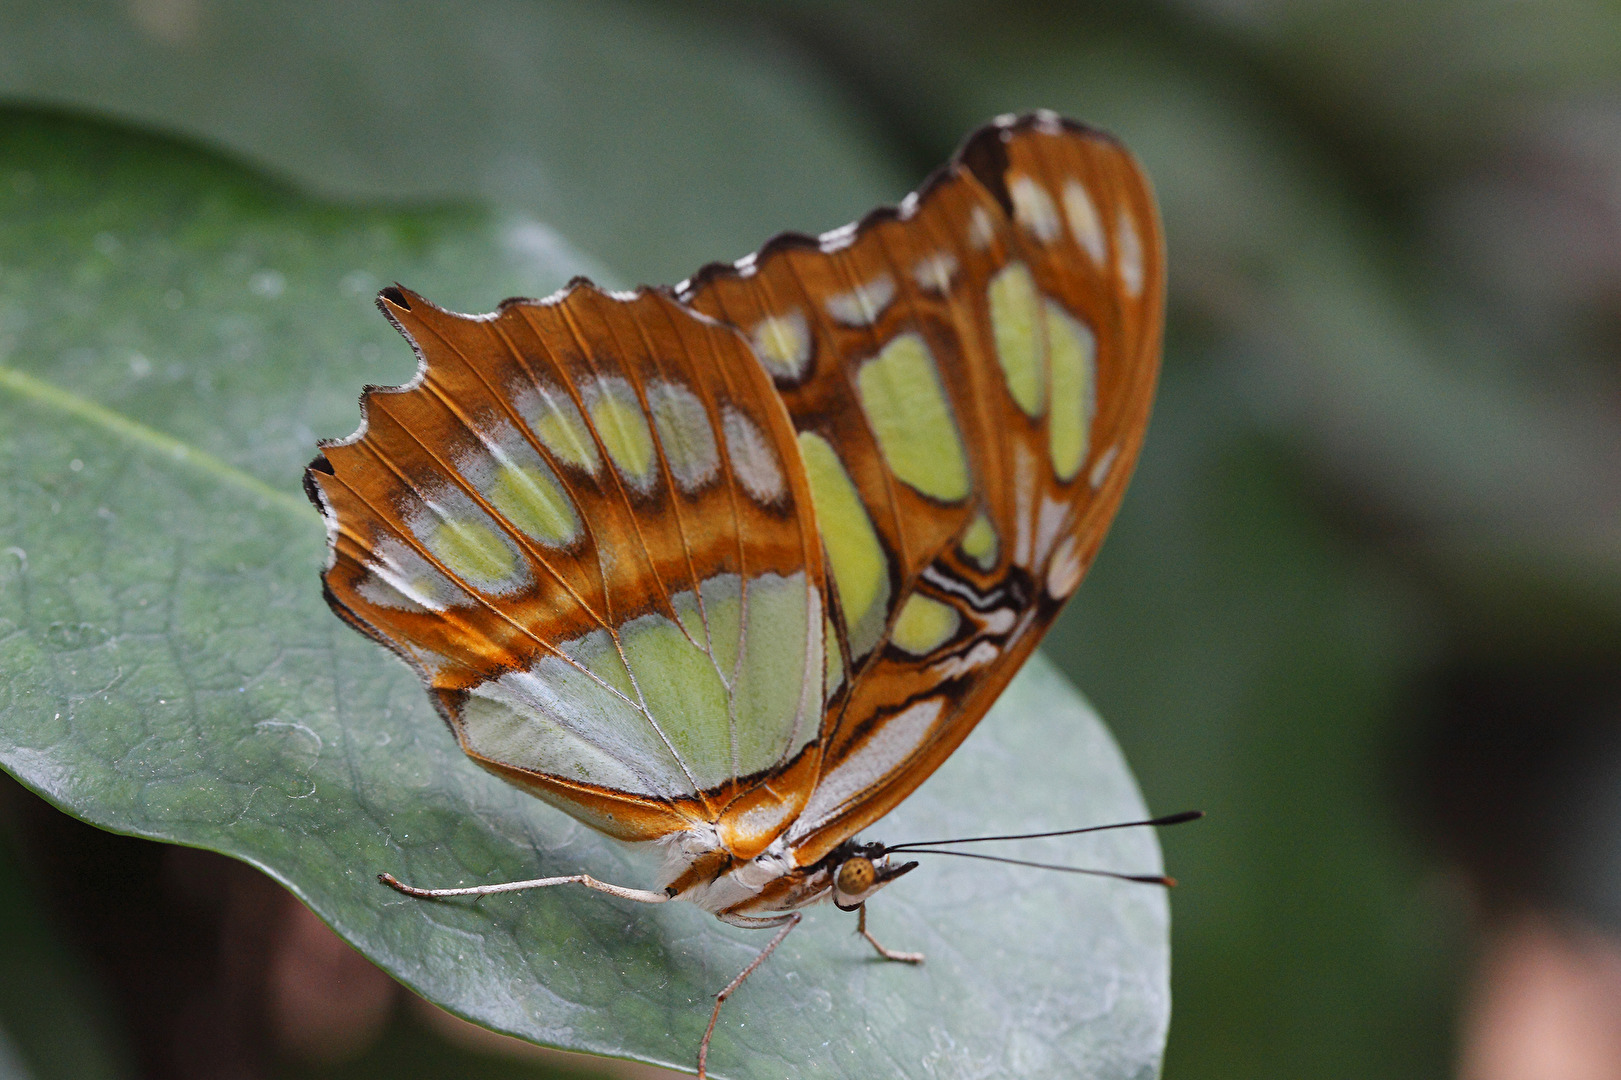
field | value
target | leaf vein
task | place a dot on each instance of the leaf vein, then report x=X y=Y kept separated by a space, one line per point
x=133 y=431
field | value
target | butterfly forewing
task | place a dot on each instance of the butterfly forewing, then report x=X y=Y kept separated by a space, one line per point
x=585 y=525
x=970 y=375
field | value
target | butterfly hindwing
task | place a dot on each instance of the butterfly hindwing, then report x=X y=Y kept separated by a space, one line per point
x=584 y=526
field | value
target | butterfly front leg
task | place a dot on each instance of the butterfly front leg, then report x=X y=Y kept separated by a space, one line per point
x=883 y=950
x=854 y=883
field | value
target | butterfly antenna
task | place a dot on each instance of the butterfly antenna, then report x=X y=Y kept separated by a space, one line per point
x=1169 y=819
x=1145 y=879
x=930 y=847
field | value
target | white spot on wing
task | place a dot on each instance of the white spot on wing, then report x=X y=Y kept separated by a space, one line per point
x=1033 y=208
x=863 y=305
x=1049 y=122
x=1064 y=571
x=934 y=272
x=765 y=819
x=1053 y=523
x=954 y=667
x=837 y=239
x=783 y=343
x=1084 y=223
x=1105 y=462
x=999 y=621
x=981 y=229
x=329 y=517
x=895 y=739
x=754 y=463
x=684 y=431
x=399 y=577
x=1129 y=246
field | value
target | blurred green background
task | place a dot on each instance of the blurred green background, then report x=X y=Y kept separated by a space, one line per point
x=1363 y=602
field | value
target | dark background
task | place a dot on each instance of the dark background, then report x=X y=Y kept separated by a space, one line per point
x=1363 y=602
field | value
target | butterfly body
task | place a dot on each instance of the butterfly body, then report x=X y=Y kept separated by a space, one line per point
x=734 y=566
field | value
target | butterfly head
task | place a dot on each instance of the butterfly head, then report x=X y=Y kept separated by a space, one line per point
x=859 y=870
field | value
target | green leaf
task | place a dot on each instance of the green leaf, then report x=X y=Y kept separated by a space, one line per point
x=175 y=333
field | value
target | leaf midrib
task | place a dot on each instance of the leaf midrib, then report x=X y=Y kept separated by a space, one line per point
x=133 y=431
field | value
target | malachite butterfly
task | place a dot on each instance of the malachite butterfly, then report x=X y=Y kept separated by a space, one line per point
x=734 y=566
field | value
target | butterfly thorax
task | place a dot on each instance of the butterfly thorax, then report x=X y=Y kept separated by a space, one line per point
x=742 y=890
x=747 y=891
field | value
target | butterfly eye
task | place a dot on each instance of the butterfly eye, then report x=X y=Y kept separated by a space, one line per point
x=856 y=876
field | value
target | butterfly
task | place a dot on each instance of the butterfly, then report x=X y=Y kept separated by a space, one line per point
x=733 y=566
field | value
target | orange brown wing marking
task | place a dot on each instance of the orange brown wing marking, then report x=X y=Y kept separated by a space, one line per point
x=1047 y=527
x=467 y=574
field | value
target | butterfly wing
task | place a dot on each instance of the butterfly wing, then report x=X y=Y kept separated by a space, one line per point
x=591 y=523
x=583 y=525
x=970 y=376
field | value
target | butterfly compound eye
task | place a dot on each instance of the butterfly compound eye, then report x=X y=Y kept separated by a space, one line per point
x=856 y=876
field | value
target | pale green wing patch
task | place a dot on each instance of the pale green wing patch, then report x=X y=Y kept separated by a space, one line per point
x=662 y=707
x=521 y=487
x=853 y=547
x=777 y=695
x=1072 y=357
x=682 y=694
x=907 y=409
x=522 y=718
x=1015 y=308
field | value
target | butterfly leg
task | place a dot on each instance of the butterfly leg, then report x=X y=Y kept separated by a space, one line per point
x=886 y=953
x=641 y=896
x=720 y=998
